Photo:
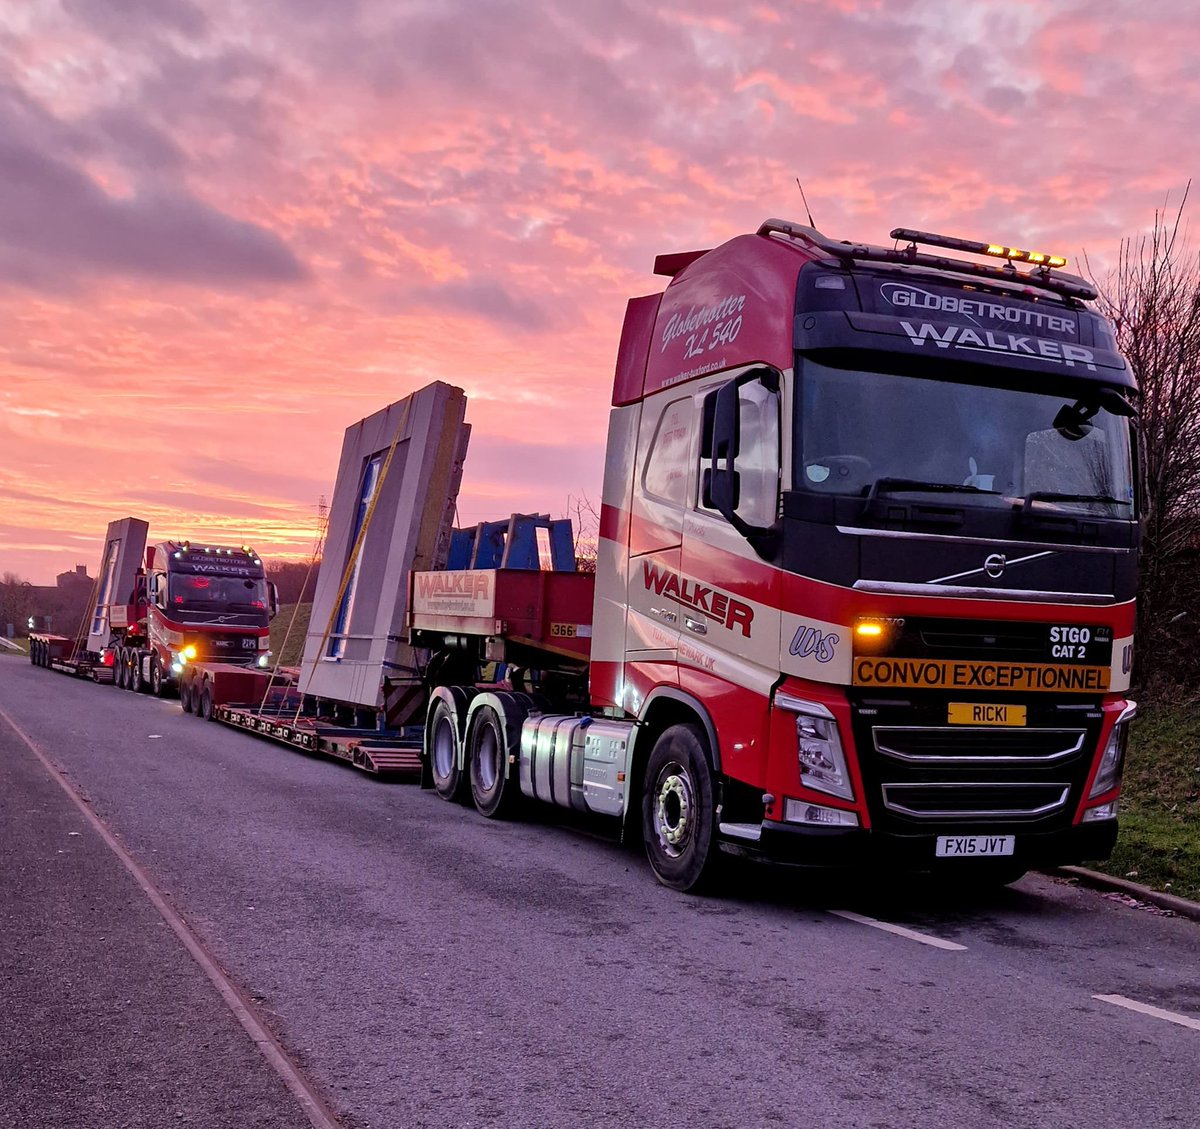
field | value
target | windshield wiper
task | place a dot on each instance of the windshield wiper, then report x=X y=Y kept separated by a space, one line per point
x=1054 y=496
x=888 y=485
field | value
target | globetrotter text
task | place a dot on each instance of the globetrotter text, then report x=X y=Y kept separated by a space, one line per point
x=679 y=323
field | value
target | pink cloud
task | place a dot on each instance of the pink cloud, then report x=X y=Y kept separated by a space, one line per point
x=239 y=228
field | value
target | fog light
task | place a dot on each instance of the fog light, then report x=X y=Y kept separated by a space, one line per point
x=800 y=811
x=177 y=668
x=1103 y=811
x=264 y=660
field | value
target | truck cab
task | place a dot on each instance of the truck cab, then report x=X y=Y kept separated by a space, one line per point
x=870 y=528
x=193 y=602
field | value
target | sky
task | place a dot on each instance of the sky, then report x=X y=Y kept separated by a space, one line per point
x=231 y=228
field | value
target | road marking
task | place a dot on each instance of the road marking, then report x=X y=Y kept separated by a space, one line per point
x=900 y=931
x=318 y=1112
x=1150 y=1009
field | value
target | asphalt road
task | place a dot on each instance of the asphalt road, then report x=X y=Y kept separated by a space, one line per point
x=426 y=967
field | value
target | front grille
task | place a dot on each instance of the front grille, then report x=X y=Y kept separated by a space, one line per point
x=922 y=775
x=976 y=744
x=983 y=800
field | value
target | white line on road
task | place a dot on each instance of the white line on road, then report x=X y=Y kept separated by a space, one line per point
x=319 y=1114
x=900 y=931
x=1150 y=1009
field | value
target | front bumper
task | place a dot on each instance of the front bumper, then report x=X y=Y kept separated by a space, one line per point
x=835 y=847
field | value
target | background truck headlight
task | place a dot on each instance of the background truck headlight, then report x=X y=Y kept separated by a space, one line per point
x=819 y=747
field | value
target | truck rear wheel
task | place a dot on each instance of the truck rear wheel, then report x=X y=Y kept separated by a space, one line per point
x=205 y=709
x=493 y=788
x=185 y=694
x=443 y=751
x=136 y=682
x=121 y=668
x=678 y=821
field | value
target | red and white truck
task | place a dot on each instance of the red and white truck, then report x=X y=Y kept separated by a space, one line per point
x=866 y=576
x=188 y=602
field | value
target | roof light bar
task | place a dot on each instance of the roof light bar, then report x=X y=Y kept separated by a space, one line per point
x=1013 y=254
x=1069 y=286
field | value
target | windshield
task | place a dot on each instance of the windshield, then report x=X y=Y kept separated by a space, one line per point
x=869 y=434
x=217 y=593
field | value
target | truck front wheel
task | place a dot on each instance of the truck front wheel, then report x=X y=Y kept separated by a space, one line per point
x=157 y=682
x=678 y=811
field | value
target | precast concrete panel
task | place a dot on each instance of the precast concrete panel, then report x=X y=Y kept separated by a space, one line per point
x=396 y=487
x=121 y=556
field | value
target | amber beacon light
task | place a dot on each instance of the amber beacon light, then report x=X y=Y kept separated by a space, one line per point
x=974 y=247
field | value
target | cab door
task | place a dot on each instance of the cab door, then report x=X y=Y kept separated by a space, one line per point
x=662 y=480
x=729 y=633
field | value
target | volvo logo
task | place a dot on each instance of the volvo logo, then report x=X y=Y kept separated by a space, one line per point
x=994 y=565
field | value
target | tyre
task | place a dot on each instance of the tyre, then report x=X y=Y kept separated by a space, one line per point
x=185 y=695
x=136 y=682
x=158 y=683
x=121 y=668
x=678 y=819
x=493 y=788
x=206 y=703
x=443 y=751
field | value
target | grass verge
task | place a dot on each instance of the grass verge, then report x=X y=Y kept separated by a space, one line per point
x=289 y=654
x=1159 y=843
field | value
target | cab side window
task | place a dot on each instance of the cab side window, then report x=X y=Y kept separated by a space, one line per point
x=669 y=457
x=757 y=455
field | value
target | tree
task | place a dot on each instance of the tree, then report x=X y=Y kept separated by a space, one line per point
x=1153 y=301
x=296 y=580
x=586 y=520
x=16 y=603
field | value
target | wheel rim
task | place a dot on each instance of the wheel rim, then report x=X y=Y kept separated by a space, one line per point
x=443 y=748
x=487 y=757
x=674 y=809
x=155 y=677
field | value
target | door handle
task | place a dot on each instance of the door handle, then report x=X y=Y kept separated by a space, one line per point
x=699 y=627
x=664 y=613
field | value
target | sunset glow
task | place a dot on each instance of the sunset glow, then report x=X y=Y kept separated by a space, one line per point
x=230 y=228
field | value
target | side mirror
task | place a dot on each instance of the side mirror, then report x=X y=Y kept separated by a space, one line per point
x=722 y=483
x=272 y=600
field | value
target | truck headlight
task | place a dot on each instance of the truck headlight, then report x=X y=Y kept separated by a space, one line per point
x=1113 y=760
x=819 y=747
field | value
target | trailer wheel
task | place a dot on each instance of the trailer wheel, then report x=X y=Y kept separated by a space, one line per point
x=185 y=694
x=443 y=751
x=121 y=668
x=678 y=810
x=137 y=683
x=206 y=703
x=158 y=684
x=492 y=786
